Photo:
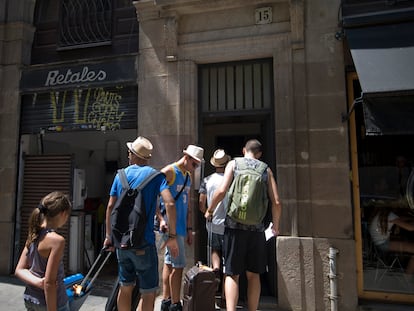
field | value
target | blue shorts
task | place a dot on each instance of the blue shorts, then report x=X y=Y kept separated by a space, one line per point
x=179 y=261
x=141 y=263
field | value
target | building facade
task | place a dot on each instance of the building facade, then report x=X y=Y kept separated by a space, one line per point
x=216 y=73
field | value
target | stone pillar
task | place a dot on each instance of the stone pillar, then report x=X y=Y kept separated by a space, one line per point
x=16 y=37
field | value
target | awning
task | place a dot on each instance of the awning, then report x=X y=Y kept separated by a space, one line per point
x=389 y=115
x=384 y=57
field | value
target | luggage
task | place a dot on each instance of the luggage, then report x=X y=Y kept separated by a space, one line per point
x=79 y=287
x=200 y=288
x=112 y=299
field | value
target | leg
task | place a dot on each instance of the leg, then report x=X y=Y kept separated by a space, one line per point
x=410 y=266
x=124 y=298
x=146 y=302
x=253 y=290
x=166 y=272
x=232 y=292
x=216 y=259
x=166 y=291
x=175 y=284
x=404 y=247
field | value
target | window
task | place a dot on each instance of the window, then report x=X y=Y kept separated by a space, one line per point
x=85 y=23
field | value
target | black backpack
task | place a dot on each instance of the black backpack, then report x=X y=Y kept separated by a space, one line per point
x=129 y=217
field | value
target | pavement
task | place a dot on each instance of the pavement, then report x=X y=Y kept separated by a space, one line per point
x=11 y=298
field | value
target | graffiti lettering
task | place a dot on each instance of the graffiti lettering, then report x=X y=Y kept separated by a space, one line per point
x=105 y=110
x=58 y=108
x=93 y=108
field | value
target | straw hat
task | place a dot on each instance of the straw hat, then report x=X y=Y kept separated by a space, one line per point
x=141 y=147
x=195 y=152
x=219 y=158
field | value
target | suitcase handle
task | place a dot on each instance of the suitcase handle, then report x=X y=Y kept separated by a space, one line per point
x=96 y=262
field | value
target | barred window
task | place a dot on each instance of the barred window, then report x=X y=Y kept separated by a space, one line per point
x=85 y=23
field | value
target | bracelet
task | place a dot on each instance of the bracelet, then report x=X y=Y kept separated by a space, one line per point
x=210 y=212
x=172 y=236
x=189 y=228
x=107 y=237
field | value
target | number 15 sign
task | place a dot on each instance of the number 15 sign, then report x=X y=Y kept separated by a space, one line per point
x=263 y=15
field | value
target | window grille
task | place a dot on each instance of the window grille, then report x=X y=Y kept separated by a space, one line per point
x=85 y=23
x=241 y=86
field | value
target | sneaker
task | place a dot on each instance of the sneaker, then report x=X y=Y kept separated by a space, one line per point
x=165 y=304
x=176 y=307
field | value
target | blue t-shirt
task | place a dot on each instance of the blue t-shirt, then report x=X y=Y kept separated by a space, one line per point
x=135 y=175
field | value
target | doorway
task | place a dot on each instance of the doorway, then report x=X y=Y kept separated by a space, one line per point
x=231 y=135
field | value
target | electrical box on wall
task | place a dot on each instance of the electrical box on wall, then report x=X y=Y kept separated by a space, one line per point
x=79 y=189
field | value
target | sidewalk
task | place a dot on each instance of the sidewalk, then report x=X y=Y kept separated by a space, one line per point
x=11 y=296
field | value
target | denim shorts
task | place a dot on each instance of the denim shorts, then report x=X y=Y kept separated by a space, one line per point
x=179 y=261
x=141 y=263
x=30 y=306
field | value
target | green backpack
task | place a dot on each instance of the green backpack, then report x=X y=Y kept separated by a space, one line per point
x=248 y=201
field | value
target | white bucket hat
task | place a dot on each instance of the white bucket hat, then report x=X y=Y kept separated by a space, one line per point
x=195 y=152
x=219 y=158
x=141 y=147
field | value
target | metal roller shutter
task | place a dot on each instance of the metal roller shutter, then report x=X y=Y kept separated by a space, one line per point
x=42 y=175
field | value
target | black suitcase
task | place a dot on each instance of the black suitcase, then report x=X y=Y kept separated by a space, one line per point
x=200 y=288
x=112 y=299
x=79 y=287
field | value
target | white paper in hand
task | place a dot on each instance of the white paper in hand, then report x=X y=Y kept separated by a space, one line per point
x=269 y=232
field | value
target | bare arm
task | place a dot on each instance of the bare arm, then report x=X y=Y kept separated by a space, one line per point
x=57 y=247
x=23 y=273
x=202 y=200
x=409 y=226
x=109 y=207
x=274 y=199
x=222 y=189
x=169 y=173
x=170 y=209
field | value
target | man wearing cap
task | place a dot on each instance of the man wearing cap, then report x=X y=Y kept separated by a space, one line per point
x=141 y=263
x=179 y=180
x=215 y=227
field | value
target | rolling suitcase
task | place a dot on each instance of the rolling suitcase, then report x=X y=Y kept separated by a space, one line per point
x=200 y=288
x=111 y=303
x=79 y=287
x=200 y=285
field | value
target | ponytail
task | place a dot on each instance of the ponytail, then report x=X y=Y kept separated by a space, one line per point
x=35 y=225
x=50 y=206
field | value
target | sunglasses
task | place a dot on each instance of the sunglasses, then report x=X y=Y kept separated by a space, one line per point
x=194 y=163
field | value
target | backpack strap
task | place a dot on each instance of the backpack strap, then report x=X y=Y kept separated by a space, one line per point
x=148 y=180
x=123 y=178
x=181 y=190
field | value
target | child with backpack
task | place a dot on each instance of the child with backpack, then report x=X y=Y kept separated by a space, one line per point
x=41 y=262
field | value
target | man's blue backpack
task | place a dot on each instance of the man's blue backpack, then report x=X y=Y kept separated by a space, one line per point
x=129 y=217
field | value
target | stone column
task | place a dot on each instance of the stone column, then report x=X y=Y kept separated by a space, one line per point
x=16 y=37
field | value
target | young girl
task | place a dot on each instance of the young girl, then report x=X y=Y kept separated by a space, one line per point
x=41 y=263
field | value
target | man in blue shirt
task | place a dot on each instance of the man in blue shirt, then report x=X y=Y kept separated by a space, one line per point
x=141 y=263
